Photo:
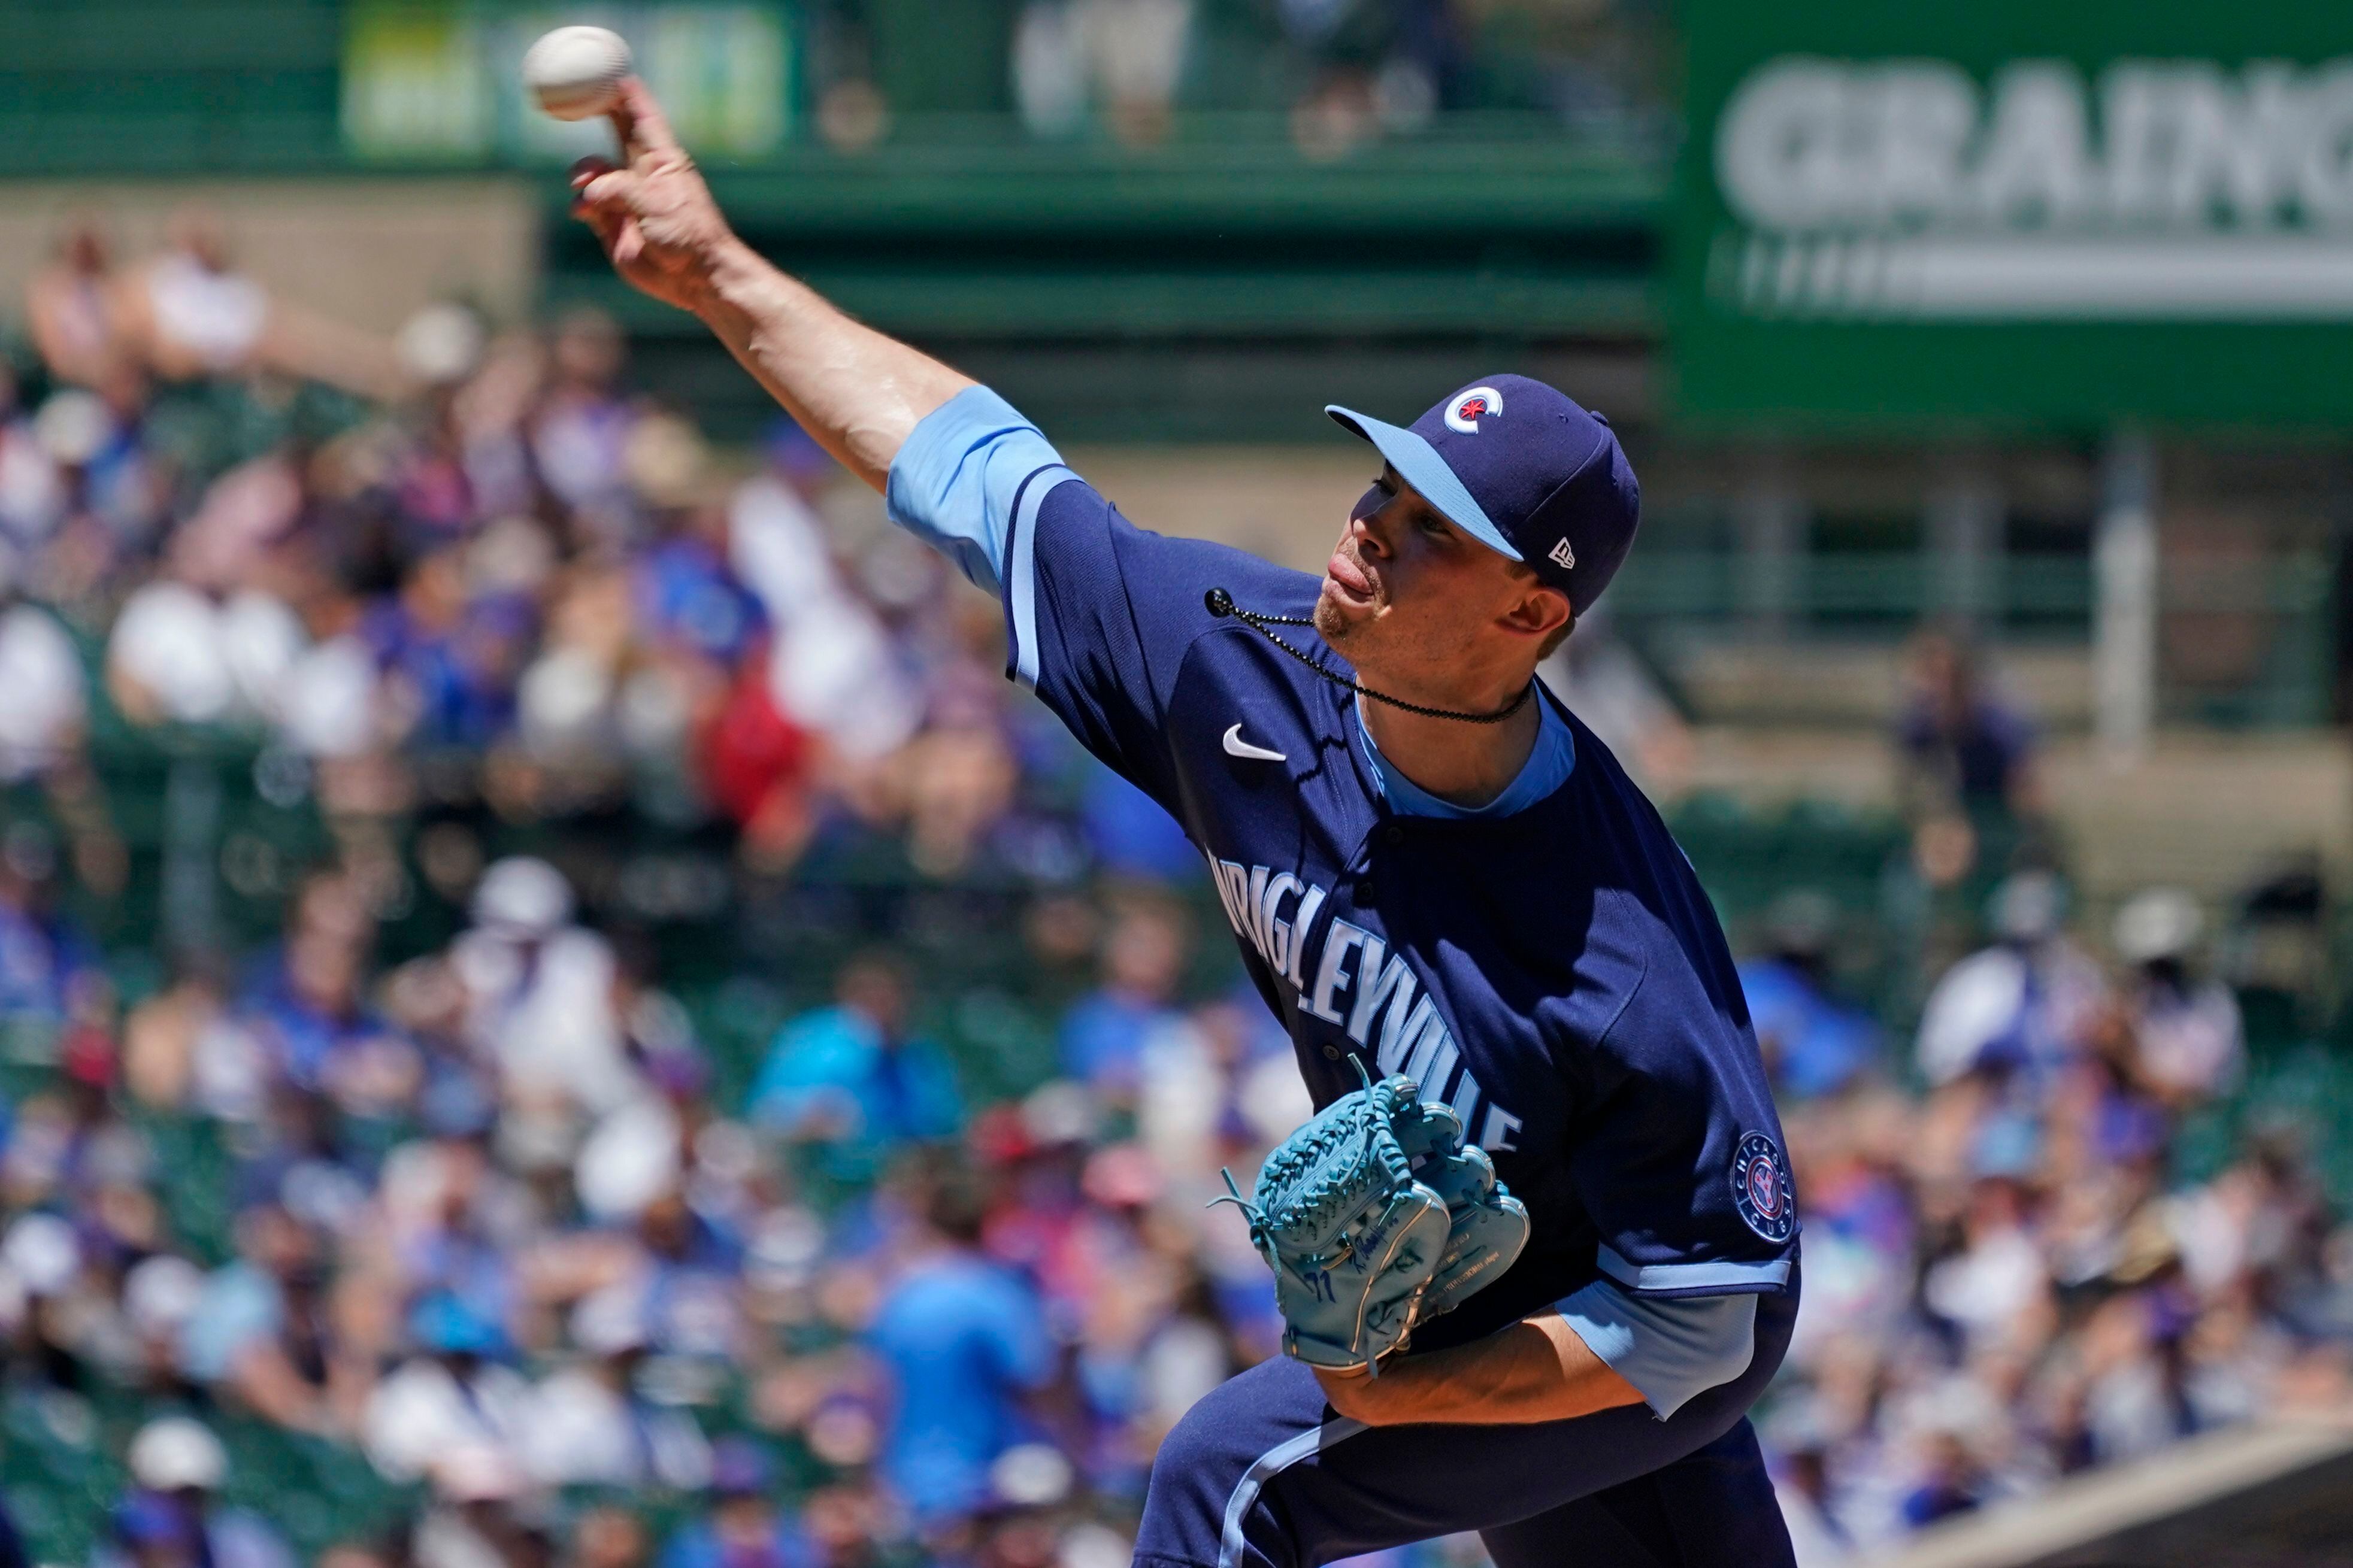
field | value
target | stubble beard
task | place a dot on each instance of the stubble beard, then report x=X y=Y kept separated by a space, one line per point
x=1330 y=623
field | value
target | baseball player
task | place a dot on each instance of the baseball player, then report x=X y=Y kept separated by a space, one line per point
x=1432 y=870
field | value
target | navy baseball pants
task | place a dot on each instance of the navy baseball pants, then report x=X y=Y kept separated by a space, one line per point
x=1262 y=1473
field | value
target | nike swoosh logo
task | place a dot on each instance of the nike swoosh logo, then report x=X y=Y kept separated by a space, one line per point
x=1238 y=747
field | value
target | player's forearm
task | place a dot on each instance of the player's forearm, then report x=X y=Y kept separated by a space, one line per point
x=858 y=392
x=1536 y=1370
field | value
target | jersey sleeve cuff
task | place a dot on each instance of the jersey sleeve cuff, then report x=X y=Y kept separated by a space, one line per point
x=954 y=481
x=1723 y=1277
x=1670 y=1351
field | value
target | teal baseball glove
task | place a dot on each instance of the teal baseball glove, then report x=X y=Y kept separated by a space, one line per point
x=1486 y=1225
x=1363 y=1245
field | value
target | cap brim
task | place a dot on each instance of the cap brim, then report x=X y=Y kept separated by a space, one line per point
x=1418 y=464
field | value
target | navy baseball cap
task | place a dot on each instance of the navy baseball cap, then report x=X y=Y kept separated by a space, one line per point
x=1526 y=472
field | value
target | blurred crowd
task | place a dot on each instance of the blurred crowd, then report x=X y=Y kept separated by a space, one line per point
x=504 y=575
x=483 y=1215
x=504 y=1221
x=493 y=1228
x=2006 y=1279
x=1341 y=72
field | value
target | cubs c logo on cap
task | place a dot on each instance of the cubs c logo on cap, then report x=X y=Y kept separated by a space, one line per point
x=1761 y=1189
x=1462 y=415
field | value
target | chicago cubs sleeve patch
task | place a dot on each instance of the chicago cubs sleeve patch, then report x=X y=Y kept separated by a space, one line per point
x=1761 y=1188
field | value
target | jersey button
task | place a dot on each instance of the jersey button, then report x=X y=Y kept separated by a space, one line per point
x=1363 y=891
x=1332 y=1053
x=1392 y=835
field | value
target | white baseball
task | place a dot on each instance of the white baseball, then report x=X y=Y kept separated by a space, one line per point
x=576 y=72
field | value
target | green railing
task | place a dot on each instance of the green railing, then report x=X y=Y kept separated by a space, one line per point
x=278 y=86
x=2284 y=603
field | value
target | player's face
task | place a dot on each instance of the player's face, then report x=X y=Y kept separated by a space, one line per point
x=1407 y=593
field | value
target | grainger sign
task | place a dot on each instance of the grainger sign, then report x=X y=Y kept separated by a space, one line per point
x=2018 y=214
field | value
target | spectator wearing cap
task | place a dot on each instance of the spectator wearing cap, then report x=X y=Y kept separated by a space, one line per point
x=45 y=1292
x=159 y=1292
x=177 y=1467
x=42 y=723
x=2187 y=1036
x=2024 y=1005
x=853 y=1080
x=539 y=994
x=480 y=1516
x=1814 y=1043
x=452 y=1397
x=1993 y=1288
x=588 y=1425
x=963 y=1343
x=744 y=1529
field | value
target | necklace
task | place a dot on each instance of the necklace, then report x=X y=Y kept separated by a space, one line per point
x=1219 y=602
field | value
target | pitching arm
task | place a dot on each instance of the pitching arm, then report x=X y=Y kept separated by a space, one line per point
x=859 y=393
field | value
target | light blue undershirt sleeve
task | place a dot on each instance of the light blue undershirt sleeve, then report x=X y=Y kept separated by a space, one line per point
x=1668 y=1350
x=1546 y=769
x=954 y=483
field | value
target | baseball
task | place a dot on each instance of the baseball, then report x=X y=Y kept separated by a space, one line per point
x=576 y=72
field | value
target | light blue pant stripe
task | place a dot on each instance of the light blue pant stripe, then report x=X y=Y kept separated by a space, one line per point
x=1271 y=1464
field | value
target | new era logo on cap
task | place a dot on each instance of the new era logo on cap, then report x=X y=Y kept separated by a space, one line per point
x=1549 y=486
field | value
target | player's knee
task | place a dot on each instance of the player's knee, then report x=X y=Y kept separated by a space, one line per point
x=1202 y=1460
x=1205 y=1467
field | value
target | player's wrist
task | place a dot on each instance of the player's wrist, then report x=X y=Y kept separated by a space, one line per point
x=730 y=275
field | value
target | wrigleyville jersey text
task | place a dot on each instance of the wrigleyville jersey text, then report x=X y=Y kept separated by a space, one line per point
x=1358 y=983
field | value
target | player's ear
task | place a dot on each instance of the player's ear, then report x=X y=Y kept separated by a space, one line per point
x=1540 y=612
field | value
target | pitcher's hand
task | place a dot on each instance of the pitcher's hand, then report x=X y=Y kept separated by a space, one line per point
x=652 y=211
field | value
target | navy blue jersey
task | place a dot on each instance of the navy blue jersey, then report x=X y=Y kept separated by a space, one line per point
x=1556 y=975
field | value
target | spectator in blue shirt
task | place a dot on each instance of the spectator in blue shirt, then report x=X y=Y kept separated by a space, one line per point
x=963 y=1340
x=44 y=956
x=1958 y=736
x=1129 y=833
x=1814 y=1043
x=1105 y=1032
x=172 y=1514
x=745 y=1528
x=852 y=1079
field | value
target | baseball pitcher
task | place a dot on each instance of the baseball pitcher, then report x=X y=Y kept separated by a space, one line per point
x=1538 y=1250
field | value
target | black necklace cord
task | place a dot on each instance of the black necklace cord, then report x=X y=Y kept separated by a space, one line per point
x=1220 y=604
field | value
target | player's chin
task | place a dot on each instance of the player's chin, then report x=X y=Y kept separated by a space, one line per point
x=1338 y=612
